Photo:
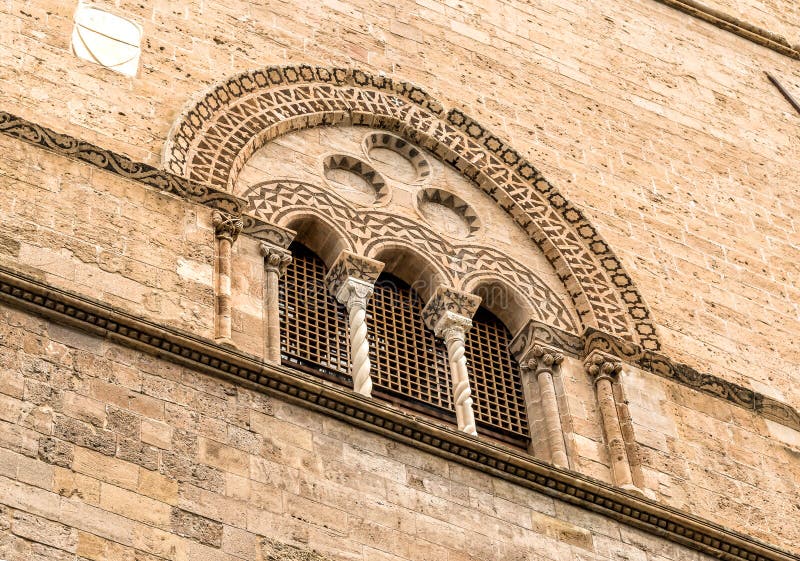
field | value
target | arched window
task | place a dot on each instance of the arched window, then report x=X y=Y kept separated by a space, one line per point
x=409 y=364
x=495 y=377
x=314 y=334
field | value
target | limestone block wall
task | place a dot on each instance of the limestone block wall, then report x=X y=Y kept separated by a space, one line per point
x=105 y=237
x=107 y=453
x=662 y=127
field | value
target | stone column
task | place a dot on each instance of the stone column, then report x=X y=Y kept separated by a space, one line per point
x=605 y=370
x=449 y=314
x=276 y=260
x=543 y=363
x=226 y=230
x=351 y=280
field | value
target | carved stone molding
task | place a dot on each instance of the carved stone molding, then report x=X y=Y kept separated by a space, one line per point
x=447 y=302
x=280 y=201
x=216 y=135
x=534 y=332
x=65 y=145
x=350 y=265
x=737 y=26
x=267 y=232
x=669 y=523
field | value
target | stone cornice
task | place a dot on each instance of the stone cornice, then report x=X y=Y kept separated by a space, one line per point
x=737 y=26
x=61 y=306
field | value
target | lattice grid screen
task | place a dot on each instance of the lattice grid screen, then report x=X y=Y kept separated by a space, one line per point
x=314 y=331
x=495 y=377
x=407 y=359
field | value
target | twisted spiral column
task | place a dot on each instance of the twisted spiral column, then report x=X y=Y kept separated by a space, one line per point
x=452 y=328
x=354 y=294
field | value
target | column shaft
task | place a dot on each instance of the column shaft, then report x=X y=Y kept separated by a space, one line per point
x=276 y=260
x=552 y=419
x=462 y=393
x=616 y=444
x=224 y=289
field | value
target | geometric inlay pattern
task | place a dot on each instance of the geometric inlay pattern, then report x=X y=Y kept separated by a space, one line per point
x=366 y=231
x=447 y=212
x=366 y=187
x=218 y=133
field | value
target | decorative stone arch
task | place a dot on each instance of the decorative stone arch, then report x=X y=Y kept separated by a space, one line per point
x=406 y=262
x=317 y=233
x=369 y=230
x=506 y=303
x=219 y=131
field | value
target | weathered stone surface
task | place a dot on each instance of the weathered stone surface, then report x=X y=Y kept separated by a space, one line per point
x=196 y=527
x=663 y=130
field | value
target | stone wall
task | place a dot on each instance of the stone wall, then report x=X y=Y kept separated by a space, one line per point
x=107 y=453
x=108 y=238
x=663 y=128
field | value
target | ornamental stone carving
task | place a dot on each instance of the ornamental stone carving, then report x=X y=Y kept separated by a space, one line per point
x=351 y=280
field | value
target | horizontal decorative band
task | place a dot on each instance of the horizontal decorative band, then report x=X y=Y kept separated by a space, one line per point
x=118 y=164
x=734 y=25
x=61 y=306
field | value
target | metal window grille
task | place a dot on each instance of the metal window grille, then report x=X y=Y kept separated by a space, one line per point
x=409 y=364
x=407 y=360
x=495 y=377
x=314 y=331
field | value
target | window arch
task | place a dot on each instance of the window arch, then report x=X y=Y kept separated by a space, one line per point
x=314 y=332
x=409 y=364
x=496 y=382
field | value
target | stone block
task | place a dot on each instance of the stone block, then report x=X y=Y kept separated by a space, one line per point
x=195 y=527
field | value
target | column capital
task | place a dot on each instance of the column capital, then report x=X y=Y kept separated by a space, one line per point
x=542 y=358
x=350 y=269
x=602 y=365
x=354 y=292
x=452 y=326
x=450 y=309
x=276 y=259
x=226 y=226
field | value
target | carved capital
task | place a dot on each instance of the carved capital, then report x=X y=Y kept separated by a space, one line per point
x=276 y=259
x=448 y=303
x=452 y=326
x=542 y=358
x=349 y=266
x=354 y=293
x=226 y=226
x=602 y=365
x=537 y=333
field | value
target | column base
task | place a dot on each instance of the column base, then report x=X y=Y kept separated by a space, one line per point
x=226 y=342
